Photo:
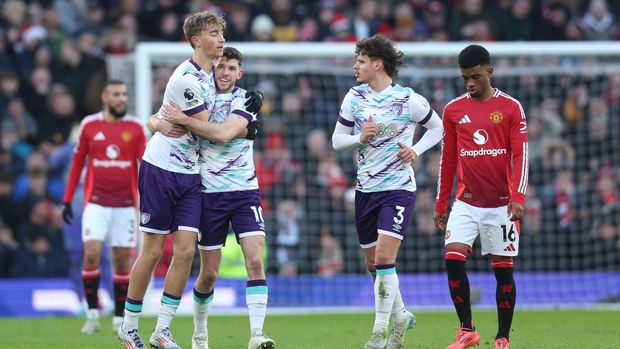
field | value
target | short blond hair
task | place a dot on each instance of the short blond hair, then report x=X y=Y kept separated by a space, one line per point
x=199 y=21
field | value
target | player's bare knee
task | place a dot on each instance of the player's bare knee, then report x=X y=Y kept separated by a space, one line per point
x=384 y=258
x=184 y=255
x=254 y=264
x=208 y=277
x=151 y=255
x=91 y=259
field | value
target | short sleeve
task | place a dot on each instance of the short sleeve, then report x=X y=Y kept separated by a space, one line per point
x=346 y=116
x=187 y=94
x=237 y=107
x=419 y=109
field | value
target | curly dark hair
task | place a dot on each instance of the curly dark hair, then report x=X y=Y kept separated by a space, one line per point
x=378 y=47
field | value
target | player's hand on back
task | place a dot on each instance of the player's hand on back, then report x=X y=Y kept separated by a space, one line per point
x=67 y=212
x=253 y=101
x=369 y=130
x=172 y=113
x=253 y=129
x=406 y=153
x=440 y=220
x=515 y=211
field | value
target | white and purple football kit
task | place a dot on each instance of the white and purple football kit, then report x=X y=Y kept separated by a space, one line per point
x=168 y=181
x=230 y=192
x=385 y=195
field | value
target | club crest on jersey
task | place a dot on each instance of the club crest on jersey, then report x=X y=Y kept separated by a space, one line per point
x=145 y=217
x=126 y=136
x=397 y=108
x=496 y=117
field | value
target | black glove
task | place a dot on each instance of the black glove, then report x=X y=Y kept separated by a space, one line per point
x=67 y=212
x=254 y=128
x=254 y=101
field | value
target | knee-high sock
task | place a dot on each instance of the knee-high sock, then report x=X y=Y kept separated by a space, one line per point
x=256 y=296
x=202 y=305
x=121 y=284
x=505 y=296
x=459 y=286
x=386 y=286
x=91 y=278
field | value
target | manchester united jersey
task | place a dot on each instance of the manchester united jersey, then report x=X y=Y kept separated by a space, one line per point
x=113 y=150
x=486 y=142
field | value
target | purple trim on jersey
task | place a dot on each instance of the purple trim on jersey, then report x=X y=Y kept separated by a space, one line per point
x=195 y=110
x=393 y=83
x=346 y=122
x=191 y=60
x=234 y=89
x=244 y=114
x=427 y=117
x=252 y=283
x=359 y=94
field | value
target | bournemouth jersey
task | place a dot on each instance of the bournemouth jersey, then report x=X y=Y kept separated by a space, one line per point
x=396 y=110
x=228 y=166
x=113 y=150
x=193 y=90
x=486 y=142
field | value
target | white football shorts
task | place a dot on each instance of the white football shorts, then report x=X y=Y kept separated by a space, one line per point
x=116 y=225
x=498 y=235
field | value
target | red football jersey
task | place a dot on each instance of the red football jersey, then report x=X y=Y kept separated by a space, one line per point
x=487 y=143
x=114 y=150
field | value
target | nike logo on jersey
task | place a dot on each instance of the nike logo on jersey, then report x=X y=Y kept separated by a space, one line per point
x=465 y=119
x=99 y=136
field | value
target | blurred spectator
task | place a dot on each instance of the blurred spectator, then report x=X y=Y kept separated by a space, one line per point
x=36 y=92
x=40 y=259
x=83 y=75
x=406 y=26
x=515 y=23
x=470 y=20
x=598 y=22
x=285 y=30
x=8 y=249
x=56 y=124
x=533 y=218
x=330 y=259
x=17 y=119
x=8 y=212
x=288 y=215
x=262 y=28
x=365 y=20
x=238 y=28
x=555 y=20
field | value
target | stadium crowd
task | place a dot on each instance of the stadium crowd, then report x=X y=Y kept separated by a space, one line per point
x=52 y=69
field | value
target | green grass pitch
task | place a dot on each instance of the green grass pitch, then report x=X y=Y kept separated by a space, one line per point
x=531 y=329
